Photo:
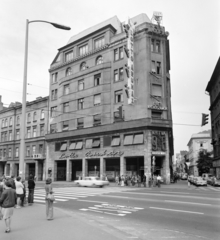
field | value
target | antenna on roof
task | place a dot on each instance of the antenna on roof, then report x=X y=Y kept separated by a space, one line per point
x=157 y=18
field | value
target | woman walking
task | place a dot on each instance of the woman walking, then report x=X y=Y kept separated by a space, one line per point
x=7 y=202
x=19 y=191
x=49 y=203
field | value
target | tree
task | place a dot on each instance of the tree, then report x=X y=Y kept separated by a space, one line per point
x=204 y=162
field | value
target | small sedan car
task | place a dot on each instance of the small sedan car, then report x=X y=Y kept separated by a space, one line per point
x=198 y=181
x=92 y=182
x=214 y=182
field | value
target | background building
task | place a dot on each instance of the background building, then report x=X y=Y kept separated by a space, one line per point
x=36 y=127
x=110 y=102
x=198 y=142
x=214 y=91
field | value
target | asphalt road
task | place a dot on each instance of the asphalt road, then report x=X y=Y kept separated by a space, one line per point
x=159 y=213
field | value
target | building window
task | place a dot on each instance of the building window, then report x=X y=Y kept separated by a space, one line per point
x=83 y=50
x=116 y=77
x=121 y=53
x=99 y=42
x=33 y=149
x=157 y=46
x=97 y=99
x=53 y=128
x=17 y=134
x=10 y=135
x=201 y=144
x=158 y=69
x=80 y=103
x=118 y=53
x=41 y=130
x=34 y=131
x=97 y=79
x=66 y=107
x=152 y=45
x=80 y=122
x=16 y=152
x=68 y=71
x=29 y=117
x=97 y=120
x=63 y=146
x=138 y=138
x=99 y=60
x=3 y=123
x=66 y=89
x=28 y=153
x=41 y=148
x=156 y=90
x=118 y=96
x=115 y=141
x=9 y=152
x=6 y=122
x=117 y=117
x=18 y=120
x=0 y=152
x=121 y=74
x=156 y=114
x=107 y=141
x=76 y=145
x=83 y=66
x=153 y=66
x=53 y=111
x=65 y=125
x=54 y=77
x=57 y=146
x=80 y=85
x=128 y=139
x=93 y=143
x=54 y=94
x=68 y=56
x=42 y=113
x=4 y=152
x=4 y=137
x=35 y=117
x=28 y=132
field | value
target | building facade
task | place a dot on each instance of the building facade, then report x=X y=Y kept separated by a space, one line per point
x=110 y=103
x=214 y=92
x=198 y=142
x=35 y=146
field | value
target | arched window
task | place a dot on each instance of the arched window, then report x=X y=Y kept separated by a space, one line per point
x=6 y=122
x=3 y=123
x=83 y=66
x=99 y=60
x=42 y=114
x=18 y=120
x=10 y=122
x=28 y=117
x=35 y=116
x=68 y=71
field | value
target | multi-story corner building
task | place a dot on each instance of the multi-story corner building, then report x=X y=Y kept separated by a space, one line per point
x=213 y=88
x=36 y=127
x=198 y=142
x=110 y=102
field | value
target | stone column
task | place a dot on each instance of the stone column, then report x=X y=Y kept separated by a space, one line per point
x=147 y=156
x=101 y=167
x=44 y=170
x=166 y=164
x=12 y=169
x=26 y=170
x=67 y=169
x=122 y=165
x=36 y=170
x=84 y=168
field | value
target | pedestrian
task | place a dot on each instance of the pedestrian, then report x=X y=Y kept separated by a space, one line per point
x=144 y=180
x=116 y=180
x=122 y=181
x=159 y=180
x=12 y=181
x=31 y=187
x=119 y=182
x=23 y=198
x=19 y=191
x=1 y=191
x=7 y=202
x=139 y=180
x=49 y=203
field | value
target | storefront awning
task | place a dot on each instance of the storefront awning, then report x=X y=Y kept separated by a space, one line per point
x=72 y=146
x=128 y=140
x=63 y=147
x=115 y=141
x=138 y=138
x=79 y=145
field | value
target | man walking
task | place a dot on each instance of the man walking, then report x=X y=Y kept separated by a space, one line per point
x=31 y=186
x=158 y=180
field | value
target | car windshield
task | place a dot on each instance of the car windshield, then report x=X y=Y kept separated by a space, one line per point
x=199 y=178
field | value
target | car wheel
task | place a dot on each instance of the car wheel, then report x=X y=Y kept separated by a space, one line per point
x=93 y=185
x=101 y=186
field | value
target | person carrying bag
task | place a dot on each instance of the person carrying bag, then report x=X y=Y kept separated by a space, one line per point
x=49 y=198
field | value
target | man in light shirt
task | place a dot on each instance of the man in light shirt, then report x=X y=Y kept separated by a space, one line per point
x=159 y=180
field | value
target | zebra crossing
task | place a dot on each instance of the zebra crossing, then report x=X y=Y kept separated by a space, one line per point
x=208 y=188
x=74 y=193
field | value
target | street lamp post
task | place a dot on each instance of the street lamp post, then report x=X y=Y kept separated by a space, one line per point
x=23 y=116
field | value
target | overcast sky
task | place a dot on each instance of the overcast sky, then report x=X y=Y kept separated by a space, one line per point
x=194 y=29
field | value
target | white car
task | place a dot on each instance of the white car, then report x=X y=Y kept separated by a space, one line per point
x=91 y=182
x=200 y=182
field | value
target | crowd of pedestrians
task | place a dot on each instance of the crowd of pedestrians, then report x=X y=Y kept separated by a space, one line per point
x=13 y=195
x=137 y=180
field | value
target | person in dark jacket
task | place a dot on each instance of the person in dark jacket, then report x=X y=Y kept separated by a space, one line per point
x=31 y=186
x=12 y=182
x=8 y=202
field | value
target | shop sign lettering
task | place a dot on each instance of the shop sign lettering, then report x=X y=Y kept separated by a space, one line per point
x=71 y=155
x=105 y=153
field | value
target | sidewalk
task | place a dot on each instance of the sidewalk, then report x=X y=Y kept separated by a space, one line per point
x=29 y=223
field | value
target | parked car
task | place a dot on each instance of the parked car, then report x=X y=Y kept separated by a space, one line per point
x=205 y=176
x=214 y=182
x=198 y=181
x=190 y=178
x=91 y=182
x=184 y=177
